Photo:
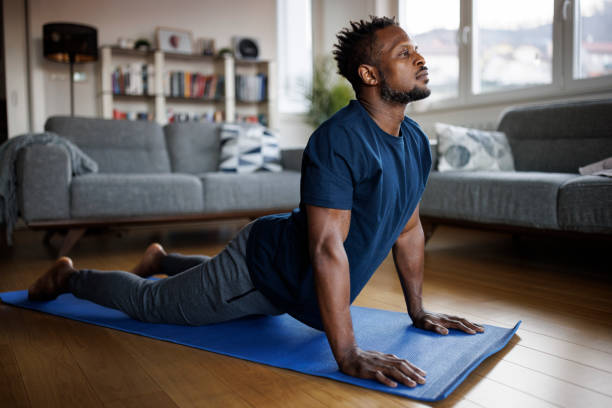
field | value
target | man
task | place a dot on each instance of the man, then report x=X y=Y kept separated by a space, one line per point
x=363 y=174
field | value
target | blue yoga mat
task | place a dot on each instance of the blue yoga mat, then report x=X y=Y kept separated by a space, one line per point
x=282 y=341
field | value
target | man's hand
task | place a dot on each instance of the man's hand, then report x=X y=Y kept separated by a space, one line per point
x=385 y=368
x=440 y=323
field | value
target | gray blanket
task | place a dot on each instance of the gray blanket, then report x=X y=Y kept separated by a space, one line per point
x=9 y=151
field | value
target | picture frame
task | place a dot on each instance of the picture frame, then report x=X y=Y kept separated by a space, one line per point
x=205 y=46
x=174 y=40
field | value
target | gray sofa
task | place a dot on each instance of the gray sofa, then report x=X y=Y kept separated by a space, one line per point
x=545 y=193
x=147 y=174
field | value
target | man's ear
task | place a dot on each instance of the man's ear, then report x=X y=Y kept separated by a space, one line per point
x=368 y=74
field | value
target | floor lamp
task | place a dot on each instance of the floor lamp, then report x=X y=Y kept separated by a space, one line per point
x=70 y=43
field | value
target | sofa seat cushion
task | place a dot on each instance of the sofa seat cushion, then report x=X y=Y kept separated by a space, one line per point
x=585 y=204
x=513 y=198
x=133 y=195
x=261 y=190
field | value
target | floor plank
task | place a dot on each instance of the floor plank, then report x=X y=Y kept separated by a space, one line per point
x=49 y=371
x=547 y=388
x=157 y=399
x=571 y=372
x=111 y=370
x=12 y=389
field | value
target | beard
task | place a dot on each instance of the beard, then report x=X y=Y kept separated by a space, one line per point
x=396 y=96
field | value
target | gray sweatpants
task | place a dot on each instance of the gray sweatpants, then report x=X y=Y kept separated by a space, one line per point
x=199 y=290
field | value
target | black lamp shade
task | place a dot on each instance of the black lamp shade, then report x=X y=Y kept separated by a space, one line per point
x=66 y=42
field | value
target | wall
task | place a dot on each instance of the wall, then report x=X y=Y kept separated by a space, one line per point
x=133 y=19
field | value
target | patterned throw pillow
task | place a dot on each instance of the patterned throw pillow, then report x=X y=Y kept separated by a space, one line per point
x=466 y=149
x=246 y=148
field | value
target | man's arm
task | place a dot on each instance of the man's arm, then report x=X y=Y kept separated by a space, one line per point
x=408 y=255
x=327 y=231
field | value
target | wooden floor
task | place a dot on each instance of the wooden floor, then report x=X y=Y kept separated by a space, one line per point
x=561 y=355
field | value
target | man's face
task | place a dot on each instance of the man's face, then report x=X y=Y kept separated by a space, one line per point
x=402 y=70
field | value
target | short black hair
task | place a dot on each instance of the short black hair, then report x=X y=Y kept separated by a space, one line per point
x=356 y=46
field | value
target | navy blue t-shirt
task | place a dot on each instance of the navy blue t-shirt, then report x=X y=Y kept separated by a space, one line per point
x=351 y=164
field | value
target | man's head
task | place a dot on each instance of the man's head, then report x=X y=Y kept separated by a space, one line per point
x=378 y=54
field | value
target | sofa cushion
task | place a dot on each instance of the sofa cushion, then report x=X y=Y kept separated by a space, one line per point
x=193 y=147
x=513 y=198
x=559 y=137
x=467 y=149
x=118 y=146
x=127 y=195
x=585 y=204
x=600 y=168
x=235 y=192
x=247 y=147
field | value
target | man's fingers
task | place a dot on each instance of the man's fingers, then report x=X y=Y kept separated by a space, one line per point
x=474 y=326
x=420 y=372
x=430 y=325
x=412 y=372
x=401 y=377
x=380 y=377
x=455 y=324
x=416 y=369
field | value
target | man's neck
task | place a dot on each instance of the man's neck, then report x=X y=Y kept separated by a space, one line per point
x=387 y=115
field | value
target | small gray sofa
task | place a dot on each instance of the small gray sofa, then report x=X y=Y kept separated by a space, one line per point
x=545 y=193
x=147 y=174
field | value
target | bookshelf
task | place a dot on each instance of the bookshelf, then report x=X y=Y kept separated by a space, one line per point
x=240 y=97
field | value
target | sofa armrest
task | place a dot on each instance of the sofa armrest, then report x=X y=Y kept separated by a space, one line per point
x=291 y=159
x=44 y=174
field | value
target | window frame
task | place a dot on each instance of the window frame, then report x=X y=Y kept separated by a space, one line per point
x=564 y=64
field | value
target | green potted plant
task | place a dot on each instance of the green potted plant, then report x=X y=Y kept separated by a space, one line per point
x=329 y=92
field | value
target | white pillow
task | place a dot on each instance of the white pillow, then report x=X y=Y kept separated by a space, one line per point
x=246 y=148
x=466 y=149
x=600 y=168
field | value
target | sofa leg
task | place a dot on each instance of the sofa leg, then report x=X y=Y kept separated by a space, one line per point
x=428 y=229
x=73 y=236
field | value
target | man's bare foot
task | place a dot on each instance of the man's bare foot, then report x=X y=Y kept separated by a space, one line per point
x=52 y=283
x=150 y=262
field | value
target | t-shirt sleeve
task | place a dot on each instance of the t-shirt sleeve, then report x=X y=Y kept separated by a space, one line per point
x=327 y=177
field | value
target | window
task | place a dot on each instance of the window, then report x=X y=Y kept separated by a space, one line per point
x=294 y=27
x=514 y=48
x=594 y=32
x=482 y=51
x=435 y=34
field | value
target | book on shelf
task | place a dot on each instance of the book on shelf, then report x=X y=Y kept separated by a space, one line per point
x=260 y=118
x=251 y=88
x=133 y=79
x=211 y=115
x=193 y=85
x=131 y=115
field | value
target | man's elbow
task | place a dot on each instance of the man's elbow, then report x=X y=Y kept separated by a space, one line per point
x=324 y=251
x=412 y=236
